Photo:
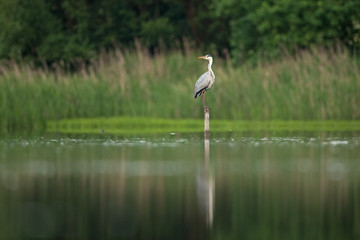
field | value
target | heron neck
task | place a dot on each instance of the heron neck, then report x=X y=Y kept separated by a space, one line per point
x=210 y=63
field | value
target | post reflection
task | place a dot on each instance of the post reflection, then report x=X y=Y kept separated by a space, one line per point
x=205 y=187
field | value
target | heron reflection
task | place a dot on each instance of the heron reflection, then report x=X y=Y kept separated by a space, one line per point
x=205 y=187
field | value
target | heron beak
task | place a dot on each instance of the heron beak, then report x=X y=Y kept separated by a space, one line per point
x=202 y=57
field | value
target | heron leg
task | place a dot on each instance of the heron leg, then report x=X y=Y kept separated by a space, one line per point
x=203 y=99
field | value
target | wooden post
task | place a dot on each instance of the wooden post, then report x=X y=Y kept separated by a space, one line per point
x=206 y=123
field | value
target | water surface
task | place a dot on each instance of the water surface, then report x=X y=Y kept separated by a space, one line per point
x=247 y=186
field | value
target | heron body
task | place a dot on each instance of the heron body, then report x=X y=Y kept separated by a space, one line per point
x=205 y=81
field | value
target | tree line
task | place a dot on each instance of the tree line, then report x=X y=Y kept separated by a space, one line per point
x=68 y=30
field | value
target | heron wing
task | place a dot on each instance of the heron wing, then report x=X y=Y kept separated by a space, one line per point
x=202 y=83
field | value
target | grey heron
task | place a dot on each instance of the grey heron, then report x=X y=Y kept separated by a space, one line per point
x=205 y=81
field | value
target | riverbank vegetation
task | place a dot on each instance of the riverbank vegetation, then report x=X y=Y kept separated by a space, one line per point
x=315 y=84
x=51 y=31
x=274 y=60
x=144 y=126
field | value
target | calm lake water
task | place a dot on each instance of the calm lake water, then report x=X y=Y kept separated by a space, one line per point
x=176 y=186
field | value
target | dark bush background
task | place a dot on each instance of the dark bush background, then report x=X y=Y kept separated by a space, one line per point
x=69 y=30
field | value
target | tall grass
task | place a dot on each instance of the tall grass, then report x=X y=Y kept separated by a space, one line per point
x=313 y=85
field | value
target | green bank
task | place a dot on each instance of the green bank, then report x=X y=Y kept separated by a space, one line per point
x=130 y=125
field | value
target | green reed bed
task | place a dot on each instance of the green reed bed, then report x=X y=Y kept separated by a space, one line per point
x=313 y=85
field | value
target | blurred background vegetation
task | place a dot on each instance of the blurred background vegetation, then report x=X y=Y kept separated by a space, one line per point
x=69 y=30
x=276 y=59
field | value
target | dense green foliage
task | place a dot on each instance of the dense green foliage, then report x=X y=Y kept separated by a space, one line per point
x=69 y=30
x=269 y=27
x=314 y=85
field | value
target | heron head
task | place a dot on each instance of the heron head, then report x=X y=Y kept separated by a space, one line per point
x=206 y=57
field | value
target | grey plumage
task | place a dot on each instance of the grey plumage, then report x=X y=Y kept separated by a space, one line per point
x=205 y=81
